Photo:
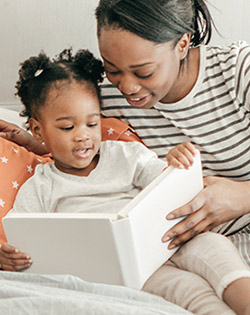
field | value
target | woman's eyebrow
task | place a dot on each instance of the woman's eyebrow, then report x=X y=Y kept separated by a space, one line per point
x=133 y=66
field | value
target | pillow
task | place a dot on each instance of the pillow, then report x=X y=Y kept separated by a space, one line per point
x=17 y=164
x=115 y=129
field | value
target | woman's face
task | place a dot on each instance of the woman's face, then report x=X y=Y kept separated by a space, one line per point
x=145 y=72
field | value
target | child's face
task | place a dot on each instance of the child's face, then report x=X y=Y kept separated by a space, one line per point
x=69 y=124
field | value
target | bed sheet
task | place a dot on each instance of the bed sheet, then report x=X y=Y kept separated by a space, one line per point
x=23 y=294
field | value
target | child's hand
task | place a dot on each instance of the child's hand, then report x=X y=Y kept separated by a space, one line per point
x=182 y=155
x=11 y=259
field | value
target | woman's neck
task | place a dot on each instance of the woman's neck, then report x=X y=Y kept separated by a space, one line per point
x=187 y=78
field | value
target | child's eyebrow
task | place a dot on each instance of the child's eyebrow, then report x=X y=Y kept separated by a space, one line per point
x=95 y=114
x=71 y=117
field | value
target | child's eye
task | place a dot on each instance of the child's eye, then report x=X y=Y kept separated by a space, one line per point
x=67 y=128
x=92 y=124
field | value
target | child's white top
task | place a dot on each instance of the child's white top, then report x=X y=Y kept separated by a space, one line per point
x=124 y=168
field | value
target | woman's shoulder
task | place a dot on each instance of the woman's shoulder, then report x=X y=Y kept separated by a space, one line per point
x=227 y=52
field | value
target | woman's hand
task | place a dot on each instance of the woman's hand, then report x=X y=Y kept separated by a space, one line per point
x=11 y=259
x=21 y=137
x=181 y=156
x=220 y=201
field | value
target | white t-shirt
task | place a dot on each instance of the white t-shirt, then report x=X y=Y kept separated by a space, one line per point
x=123 y=170
x=214 y=115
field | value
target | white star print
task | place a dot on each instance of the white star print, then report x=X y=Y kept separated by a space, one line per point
x=111 y=131
x=15 y=150
x=2 y=203
x=30 y=169
x=127 y=133
x=15 y=184
x=4 y=159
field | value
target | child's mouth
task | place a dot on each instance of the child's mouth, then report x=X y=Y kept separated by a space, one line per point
x=82 y=153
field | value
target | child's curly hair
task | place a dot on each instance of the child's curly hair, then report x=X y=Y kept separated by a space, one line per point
x=37 y=74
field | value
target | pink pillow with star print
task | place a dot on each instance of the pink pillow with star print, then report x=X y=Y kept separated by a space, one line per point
x=16 y=166
x=115 y=129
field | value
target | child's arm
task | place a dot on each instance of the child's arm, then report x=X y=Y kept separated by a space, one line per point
x=182 y=155
x=11 y=259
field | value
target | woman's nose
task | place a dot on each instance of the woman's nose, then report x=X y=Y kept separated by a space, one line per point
x=128 y=86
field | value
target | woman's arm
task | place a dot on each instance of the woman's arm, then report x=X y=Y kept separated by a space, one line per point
x=220 y=201
x=20 y=136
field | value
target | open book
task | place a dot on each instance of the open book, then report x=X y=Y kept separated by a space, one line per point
x=123 y=249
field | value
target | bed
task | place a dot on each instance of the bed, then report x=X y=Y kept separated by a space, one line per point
x=25 y=293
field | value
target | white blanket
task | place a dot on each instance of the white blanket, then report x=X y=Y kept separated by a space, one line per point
x=23 y=294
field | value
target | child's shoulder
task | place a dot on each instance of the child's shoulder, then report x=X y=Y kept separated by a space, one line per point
x=43 y=175
x=117 y=144
x=125 y=149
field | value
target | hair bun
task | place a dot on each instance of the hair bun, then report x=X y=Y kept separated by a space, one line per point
x=89 y=64
x=34 y=66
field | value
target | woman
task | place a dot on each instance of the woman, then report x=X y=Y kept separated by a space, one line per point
x=174 y=89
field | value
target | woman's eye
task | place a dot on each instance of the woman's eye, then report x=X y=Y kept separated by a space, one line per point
x=114 y=72
x=144 y=76
x=67 y=128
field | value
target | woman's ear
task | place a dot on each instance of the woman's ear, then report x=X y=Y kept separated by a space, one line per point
x=183 y=45
x=35 y=128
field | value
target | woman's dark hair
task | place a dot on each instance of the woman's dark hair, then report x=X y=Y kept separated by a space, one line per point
x=157 y=20
x=38 y=74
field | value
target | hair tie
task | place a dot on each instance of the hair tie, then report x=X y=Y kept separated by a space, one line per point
x=38 y=72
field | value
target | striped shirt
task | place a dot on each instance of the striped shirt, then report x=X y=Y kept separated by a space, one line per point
x=214 y=116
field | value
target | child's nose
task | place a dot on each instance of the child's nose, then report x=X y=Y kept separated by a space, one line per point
x=81 y=135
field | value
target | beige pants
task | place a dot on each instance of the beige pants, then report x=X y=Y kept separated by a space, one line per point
x=197 y=274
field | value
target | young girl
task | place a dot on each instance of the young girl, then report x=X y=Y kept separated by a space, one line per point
x=62 y=102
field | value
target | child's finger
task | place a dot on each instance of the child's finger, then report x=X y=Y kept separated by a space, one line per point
x=10 y=267
x=185 y=156
x=172 y=160
x=22 y=264
x=12 y=253
x=15 y=264
x=185 y=160
x=6 y=248
x=181 y=157
x=191 y=148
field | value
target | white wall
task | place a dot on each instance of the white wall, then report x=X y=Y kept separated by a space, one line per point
x=27 y=26
x=232 y=18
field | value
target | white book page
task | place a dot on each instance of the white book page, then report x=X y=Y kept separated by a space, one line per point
x=148 y=218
